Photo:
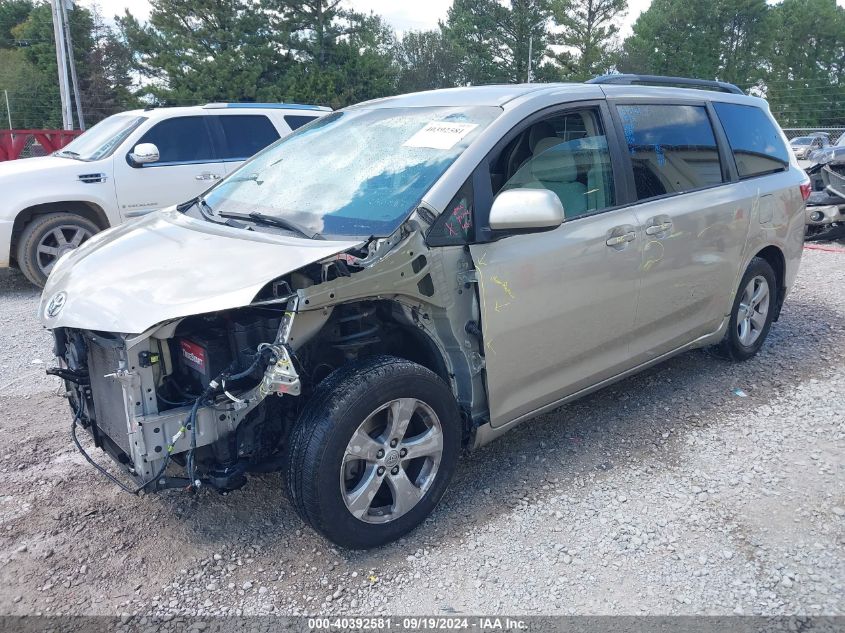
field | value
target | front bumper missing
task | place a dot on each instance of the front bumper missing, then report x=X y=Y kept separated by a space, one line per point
x=125 y=420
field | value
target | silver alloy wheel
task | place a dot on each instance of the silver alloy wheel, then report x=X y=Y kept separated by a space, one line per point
x=753 y=310
x=57 y=242
x=391 y=460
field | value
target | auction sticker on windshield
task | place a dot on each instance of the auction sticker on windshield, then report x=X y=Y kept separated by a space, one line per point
x=440 y=135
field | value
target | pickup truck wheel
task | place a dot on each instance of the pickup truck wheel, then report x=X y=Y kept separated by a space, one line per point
x=373 y=452
x=751 y=316
x=46 y=238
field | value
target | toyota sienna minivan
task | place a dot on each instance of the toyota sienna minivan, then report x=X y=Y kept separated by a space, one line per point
x=413 y=276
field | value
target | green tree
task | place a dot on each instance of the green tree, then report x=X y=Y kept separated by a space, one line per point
x=36 y=32
x=29 y=68
x=341 y=56
x=107 y=84
x=426 y=61
x=589 y=27
x=492 y=39
x=12 y=13
x=193 y=51
x=722 y=39
x=31 y=93
x=314 y=28
x=805 y=84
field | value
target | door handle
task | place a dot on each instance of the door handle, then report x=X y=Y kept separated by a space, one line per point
x=618 y=240
x=657 y=229
x=207 y=176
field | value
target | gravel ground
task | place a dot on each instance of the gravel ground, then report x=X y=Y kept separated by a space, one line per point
x=667 y=493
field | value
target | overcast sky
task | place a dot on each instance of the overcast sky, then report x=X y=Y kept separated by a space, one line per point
x=404 y=15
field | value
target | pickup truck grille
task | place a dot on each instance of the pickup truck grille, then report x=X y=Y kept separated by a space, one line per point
x=836 y=179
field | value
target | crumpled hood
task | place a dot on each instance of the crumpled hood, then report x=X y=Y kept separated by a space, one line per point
x=165 y=266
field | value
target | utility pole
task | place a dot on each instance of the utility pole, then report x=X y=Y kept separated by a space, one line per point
x=74 y=81
x=8 y=109
x=61 y=62
x=530 y=45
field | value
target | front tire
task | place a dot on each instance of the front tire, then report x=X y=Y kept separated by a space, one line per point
x=753 y=310
x=46 y=238
x=373 y=451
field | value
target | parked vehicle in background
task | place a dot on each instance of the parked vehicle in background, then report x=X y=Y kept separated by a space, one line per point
x=126 y=166
x=825 y=136
x=419 y=274
x=803 y=146
x=830 y=152
x=826 y=204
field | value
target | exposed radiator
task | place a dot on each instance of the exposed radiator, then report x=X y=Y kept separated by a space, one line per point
x=108 y=394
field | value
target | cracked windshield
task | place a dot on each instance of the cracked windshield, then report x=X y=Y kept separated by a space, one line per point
x=354 y=173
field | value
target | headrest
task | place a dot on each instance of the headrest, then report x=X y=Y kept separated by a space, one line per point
x=538 y=132
x=554 y=161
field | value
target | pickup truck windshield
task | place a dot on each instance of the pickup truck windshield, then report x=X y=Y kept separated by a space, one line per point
x=358 y=172
x=102 y=139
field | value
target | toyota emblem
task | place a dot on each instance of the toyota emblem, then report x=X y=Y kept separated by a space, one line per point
x=57 y=302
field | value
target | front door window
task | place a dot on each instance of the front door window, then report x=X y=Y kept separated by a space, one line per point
x=568 y=155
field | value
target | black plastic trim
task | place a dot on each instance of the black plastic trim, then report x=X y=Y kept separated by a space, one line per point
x=660 y=80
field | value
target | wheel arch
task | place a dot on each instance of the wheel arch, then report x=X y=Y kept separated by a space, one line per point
x=775 y=258
x=414 y=343
x=88 y=210
x=420 y=348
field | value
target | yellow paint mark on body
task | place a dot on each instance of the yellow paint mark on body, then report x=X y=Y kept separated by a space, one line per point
x=504 y=285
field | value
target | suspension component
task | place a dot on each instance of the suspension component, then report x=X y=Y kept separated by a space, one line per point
x=355 y=328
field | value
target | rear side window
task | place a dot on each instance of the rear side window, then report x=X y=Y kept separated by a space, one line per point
x=672 y=147
x=757 y=146
x=296 y=121
x=183 y=139
x=246 y=134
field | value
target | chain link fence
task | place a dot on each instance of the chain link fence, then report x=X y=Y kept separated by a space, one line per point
x=32 y=149
x=833 y=132
x=16 y=144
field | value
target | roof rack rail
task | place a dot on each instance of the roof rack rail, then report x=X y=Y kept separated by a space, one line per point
x=658 y=80
x=274 y=106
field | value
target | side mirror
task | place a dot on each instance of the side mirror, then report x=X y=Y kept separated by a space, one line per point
x=144 y=153
x=526 y=209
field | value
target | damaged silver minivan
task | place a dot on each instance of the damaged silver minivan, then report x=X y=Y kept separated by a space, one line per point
x=413 y=276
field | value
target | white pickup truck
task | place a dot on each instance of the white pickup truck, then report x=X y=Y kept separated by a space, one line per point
x=128 y=165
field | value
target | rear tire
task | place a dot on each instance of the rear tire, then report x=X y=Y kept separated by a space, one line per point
x=752 y=313
x=373 y=451
x=46 y=238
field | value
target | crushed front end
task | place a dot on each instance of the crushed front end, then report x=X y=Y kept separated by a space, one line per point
x=191 y=392
x=825 y=210
x=204 y=399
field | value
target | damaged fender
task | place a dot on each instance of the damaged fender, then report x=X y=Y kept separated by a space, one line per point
x=165 y=266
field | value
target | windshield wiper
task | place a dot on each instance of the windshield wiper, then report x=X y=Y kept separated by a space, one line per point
x=68 y=153
x=205 y=209
x=184 y=206
x=271 y=220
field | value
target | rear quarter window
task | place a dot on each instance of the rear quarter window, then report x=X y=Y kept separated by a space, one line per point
x=296 y=121
x=756 y=144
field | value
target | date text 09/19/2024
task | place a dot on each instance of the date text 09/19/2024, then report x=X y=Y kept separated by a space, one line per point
x=419 y=623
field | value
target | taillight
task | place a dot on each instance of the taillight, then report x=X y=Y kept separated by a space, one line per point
x=806 y=188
